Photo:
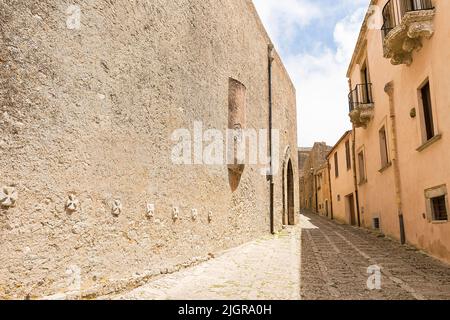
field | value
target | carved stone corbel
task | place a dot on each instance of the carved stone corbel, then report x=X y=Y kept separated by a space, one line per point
x=404 y=39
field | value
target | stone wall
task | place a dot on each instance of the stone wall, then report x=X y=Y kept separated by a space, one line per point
x=303 y=155
x=315 y=160
x=86 y=121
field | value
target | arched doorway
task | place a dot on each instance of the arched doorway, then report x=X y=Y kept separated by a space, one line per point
x=290 y=194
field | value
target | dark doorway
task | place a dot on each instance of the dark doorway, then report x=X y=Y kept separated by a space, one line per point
x=290 y=194
x=350 y=204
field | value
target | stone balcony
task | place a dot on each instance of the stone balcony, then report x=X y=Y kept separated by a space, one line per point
x=361 y=104
x=406 y=24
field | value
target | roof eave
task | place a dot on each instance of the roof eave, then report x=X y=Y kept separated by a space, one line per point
x=361 y=38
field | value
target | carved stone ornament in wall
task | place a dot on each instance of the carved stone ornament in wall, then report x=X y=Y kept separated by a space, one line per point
x=175 y=213
x=400 y=43
x=117 y=207
x=72 y=204
x=210 y=216
x=150 y=210
x=8 y=197
x=194 y=214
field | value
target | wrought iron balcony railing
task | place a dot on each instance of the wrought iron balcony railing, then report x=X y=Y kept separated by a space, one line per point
x=395 y=10
x=361 y=95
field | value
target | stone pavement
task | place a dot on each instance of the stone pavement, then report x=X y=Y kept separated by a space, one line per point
x=336 y=258
x=266 y=269
x=334 y=264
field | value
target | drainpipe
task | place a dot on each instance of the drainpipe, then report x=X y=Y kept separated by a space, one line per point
x=311 y=194
x=272 y=216
x=389 y=89
x=316 y=193
x=331 y=193
x=355 y=177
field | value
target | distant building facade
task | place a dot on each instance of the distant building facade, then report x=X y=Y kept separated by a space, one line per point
x=303 y=155
x=313 y=180
x=343 y=190
x=323 y=205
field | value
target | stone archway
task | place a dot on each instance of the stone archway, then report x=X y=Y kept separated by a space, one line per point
x=288 y=189
x=290 y=194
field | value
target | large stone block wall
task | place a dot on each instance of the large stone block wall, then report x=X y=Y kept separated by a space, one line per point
x=316 y=159
x=85 y=123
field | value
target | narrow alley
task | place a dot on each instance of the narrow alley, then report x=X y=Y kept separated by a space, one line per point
x=331 y=262
x=225 y=150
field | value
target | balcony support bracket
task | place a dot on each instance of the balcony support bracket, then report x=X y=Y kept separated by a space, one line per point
x=400 y=43
x=362 y=115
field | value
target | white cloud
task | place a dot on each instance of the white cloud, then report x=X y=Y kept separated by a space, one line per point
x=319 y=75
x=283 y=18
x=346 y=33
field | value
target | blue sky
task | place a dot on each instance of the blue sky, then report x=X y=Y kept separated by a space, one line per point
x=315 y=39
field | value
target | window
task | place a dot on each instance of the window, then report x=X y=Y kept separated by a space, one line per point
x=336 y=165
x=364 y=74
x=383 y=148
x=437 y=204
x=365 y=81
x=376 y=223
x=413 y=5
x=348 y=155
x=362 y=168
x=428 y=121
x=319 y=181
x=439 y=208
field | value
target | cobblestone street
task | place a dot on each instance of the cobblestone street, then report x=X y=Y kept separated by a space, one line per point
x=266 y=269
x=335 y=259
x=334 y=265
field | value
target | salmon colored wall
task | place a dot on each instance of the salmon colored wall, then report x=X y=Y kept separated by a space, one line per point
x=343 y=185
x=418 y=170
x=323 y=194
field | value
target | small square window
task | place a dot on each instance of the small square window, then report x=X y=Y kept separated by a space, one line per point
x=376 y=223
x=437 y=204
x=439 y=208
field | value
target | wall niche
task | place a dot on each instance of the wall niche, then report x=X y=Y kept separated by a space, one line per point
x=236 y=125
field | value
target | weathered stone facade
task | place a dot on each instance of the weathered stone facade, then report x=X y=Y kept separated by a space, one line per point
x=303 y=155
x=86 y=121
x=313 y=166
